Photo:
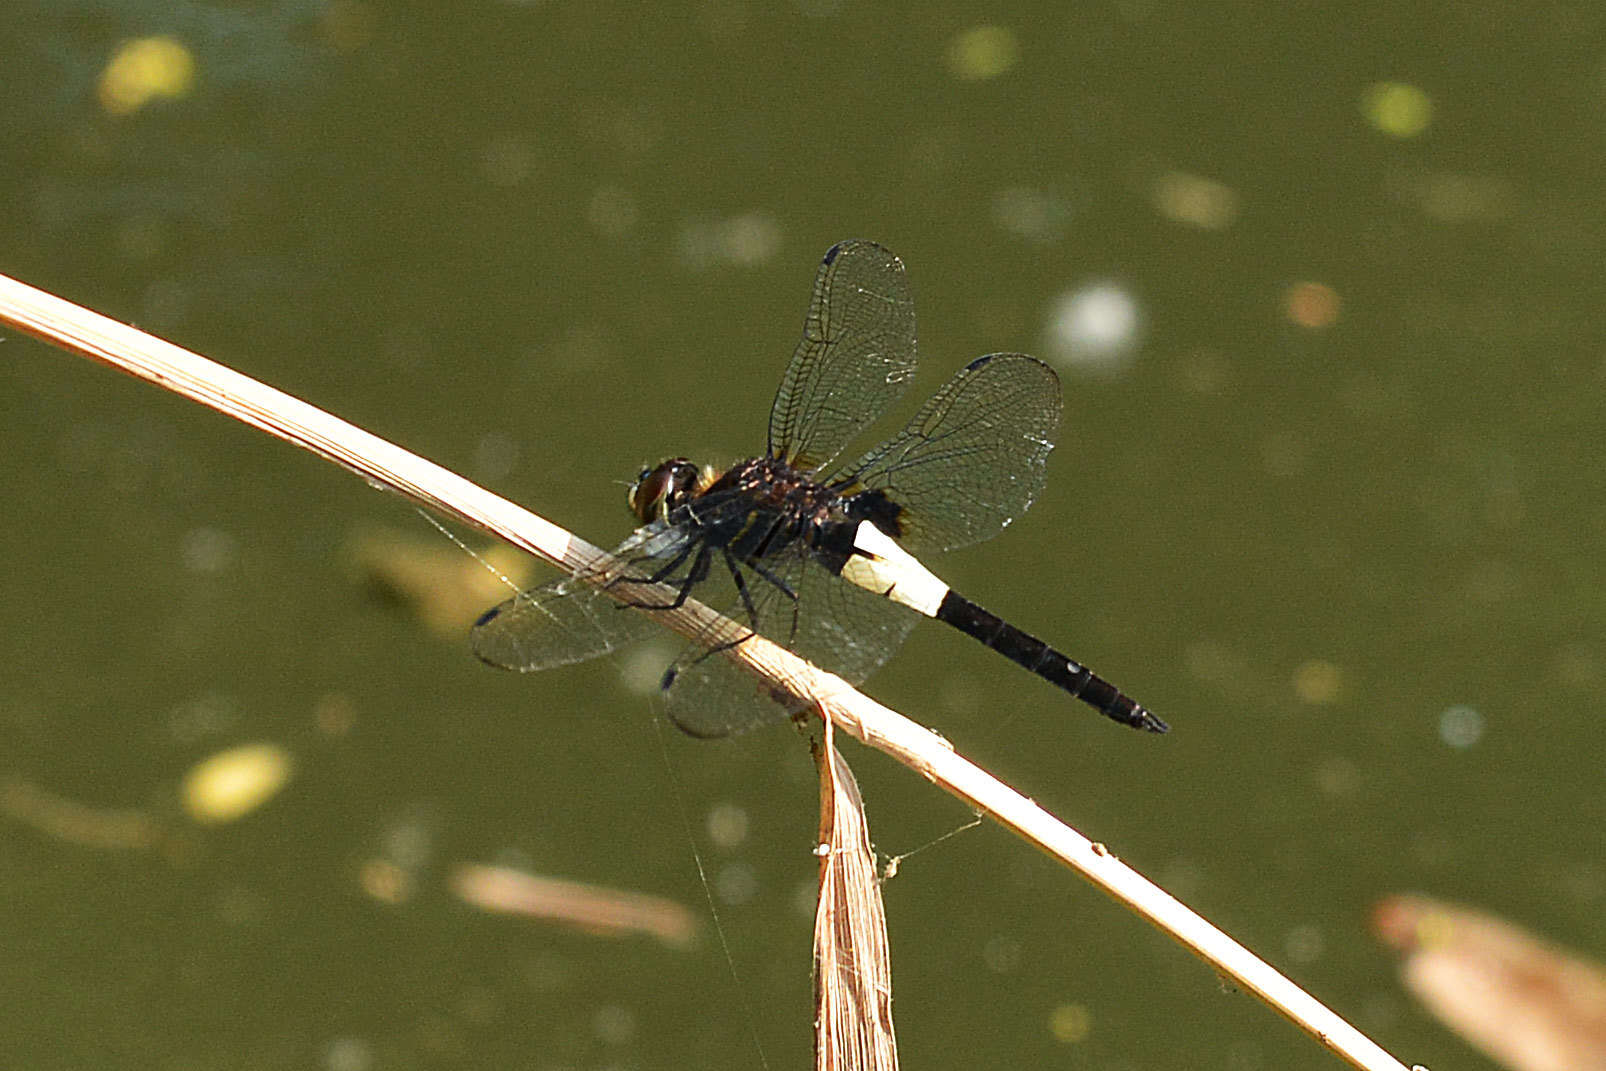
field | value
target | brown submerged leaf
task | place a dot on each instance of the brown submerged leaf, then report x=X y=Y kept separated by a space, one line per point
x=1527 y=1003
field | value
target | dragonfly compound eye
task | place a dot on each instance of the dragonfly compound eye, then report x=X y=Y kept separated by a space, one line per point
x=657 y=491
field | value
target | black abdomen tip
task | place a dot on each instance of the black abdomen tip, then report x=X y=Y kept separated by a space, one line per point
x=1143 y=718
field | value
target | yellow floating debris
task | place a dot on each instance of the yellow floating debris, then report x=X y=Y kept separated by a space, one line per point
x=1397 y=109
x=1318 y=681
x=1195 y=200
x=233 y=783
x=446 y=588
x=983 y=52
x=1070 y=1023
x=143 y=70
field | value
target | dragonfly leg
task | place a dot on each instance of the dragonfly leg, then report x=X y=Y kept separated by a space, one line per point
x=694 y=576
x=659 y=576
x=741 y=587
x=785 y=589
x=783 y=586
x=747 y=604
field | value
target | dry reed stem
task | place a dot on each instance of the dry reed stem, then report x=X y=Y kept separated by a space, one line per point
x=386 y=465
x=852 y=963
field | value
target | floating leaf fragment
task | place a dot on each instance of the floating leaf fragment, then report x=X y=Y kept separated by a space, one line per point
x=76 y=822
x=595 y=908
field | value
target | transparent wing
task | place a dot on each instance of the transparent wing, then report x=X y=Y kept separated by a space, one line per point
x=556 y=624
x=570 y=619
x=836 y=625
x=973 y=459
x=856 y=355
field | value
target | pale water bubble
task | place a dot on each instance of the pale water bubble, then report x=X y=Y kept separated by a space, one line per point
x=1461 y=727
x=744 y=240
x=736 y=883
x=805 y=898
x=614 y=1025
x=1318 y=681
x=1070 y=1023
x=205 y=715
x=727 y=825
x=613 y=211
x=348 y=1054
x=207 y=550
x=507 y=159
x=1001 y=953
x=641 y=669
x=496 y=455
x=1304 y=944
x=983 y=52
x=1035 y=215
x=1195 y=200
x=1095 y=328
x=165 y=302
x=411 y=837
x=750 y=239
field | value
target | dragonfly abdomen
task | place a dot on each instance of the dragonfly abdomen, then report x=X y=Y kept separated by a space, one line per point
x=1028 y=651
x=879 y=564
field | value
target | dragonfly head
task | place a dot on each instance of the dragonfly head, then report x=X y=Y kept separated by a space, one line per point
x=659 y=490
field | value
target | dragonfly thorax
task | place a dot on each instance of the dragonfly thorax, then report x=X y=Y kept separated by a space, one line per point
x=758 y=507
x=773 y=484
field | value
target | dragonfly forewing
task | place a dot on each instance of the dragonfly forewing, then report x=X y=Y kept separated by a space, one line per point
x=855 y=358
x=579 y=617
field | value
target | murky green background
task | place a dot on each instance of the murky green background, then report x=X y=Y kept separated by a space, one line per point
x=1355 y=561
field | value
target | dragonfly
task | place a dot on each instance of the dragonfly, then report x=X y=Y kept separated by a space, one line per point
x=820 y=557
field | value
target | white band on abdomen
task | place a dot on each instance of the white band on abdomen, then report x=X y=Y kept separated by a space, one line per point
x=881 y=566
